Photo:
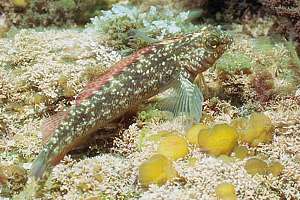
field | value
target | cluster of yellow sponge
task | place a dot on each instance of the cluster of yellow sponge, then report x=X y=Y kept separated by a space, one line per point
x=256 y=129
x=222 y=139
x=159 y=169
x=217 y=140
x=257 y=166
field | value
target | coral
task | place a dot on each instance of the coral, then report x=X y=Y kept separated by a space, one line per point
x=226 y=191
x=106 y=176
x=156 y=170
x=295 y=61
x=173 y=147
x=189 y=4
x=44 y=76
x=220 y=139
x=128 y=27
x=259 y=63
x=192 y=133
x=119 y=173
x=5 y=86
x=3 y=25
x=228 y=11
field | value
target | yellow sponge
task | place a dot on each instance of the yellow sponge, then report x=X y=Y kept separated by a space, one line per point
x=20 y=3
x=259 y=130
x=193 y=132
x=157 y=170
x=241 y=152
x=173 y=147
x=256 y=166
x=275 y=168
x=225 y=191
x=220 y=139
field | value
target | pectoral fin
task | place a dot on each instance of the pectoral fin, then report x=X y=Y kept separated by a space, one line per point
x=187 y=99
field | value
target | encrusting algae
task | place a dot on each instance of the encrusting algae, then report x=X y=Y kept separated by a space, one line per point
x=170 y=63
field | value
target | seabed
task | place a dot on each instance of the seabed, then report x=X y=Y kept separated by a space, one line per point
x=42 y=71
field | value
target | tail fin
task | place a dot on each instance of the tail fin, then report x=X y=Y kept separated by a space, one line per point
x=40 y=164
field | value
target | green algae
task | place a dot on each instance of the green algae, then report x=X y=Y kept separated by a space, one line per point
x=235 y=62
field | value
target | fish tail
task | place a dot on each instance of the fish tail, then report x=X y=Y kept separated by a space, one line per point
x=40 y=164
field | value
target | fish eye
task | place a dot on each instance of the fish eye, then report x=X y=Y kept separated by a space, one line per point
x=213 y=43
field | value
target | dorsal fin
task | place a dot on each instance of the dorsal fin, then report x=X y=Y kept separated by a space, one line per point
x=109 y=74
x=49 y=125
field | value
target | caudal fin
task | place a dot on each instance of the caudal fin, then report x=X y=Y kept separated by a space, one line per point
x=40 y=164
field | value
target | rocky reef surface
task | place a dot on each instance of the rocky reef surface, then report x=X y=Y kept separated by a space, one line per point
x=43 y=69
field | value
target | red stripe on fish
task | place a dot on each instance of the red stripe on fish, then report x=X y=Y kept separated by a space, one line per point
x=109 y=74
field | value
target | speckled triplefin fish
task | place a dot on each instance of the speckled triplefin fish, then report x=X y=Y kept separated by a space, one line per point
x=172 y=63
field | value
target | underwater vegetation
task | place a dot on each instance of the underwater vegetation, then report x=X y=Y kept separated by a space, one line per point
x=252 y=69
x=286 y=14
x=129 y=27
x=288 y=18
x=246 y=145
x=34 y=13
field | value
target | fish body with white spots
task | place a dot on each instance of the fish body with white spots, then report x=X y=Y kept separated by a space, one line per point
x=129 y=83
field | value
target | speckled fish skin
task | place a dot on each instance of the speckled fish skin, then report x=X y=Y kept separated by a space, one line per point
x=129 y=83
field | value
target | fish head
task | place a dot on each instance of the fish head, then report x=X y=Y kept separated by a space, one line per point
x=206 y=46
